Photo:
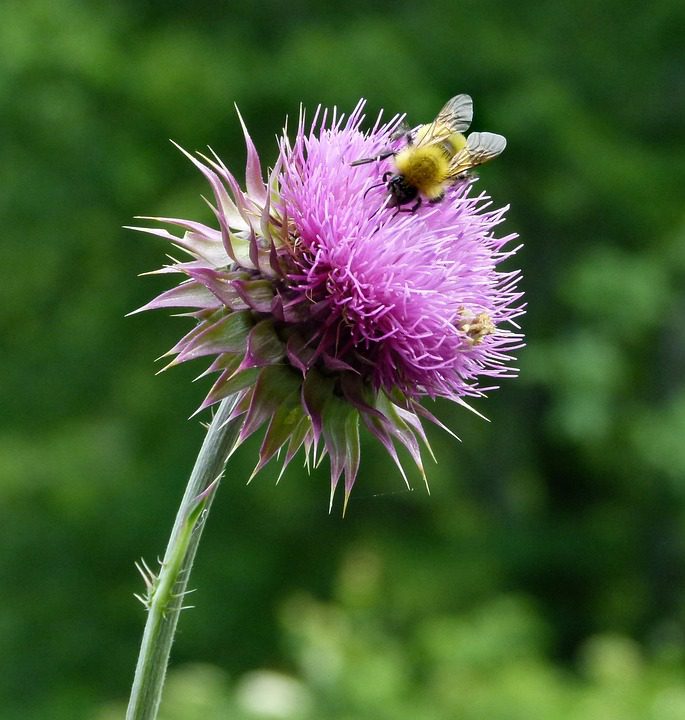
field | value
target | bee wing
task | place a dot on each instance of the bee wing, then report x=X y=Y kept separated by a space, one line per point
x=480 y=147
x=455 y=117
x=484 y=146
x=457 y=114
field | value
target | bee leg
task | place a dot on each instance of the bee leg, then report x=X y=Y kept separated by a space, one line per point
x=410 y=210
x=375 y=158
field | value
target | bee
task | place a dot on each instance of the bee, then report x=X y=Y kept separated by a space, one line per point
x=436 y=155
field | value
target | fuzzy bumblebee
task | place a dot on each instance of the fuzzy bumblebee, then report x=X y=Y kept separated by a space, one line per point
x=437 y=155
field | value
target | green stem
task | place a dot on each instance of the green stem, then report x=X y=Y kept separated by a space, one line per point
x=166 y=592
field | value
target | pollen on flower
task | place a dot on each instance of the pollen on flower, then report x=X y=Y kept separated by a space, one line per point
x=322 y=308
x=476 y=327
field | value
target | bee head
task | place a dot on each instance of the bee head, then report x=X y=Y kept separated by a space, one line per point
x=401 y=192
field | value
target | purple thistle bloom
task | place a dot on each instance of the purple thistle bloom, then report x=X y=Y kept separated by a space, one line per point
x=322 y=305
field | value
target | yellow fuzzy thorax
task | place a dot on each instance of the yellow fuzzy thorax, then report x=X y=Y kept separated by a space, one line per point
x=424 y=168
x=427 y=167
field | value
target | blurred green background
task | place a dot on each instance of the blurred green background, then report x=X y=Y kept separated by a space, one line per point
x=544 y=577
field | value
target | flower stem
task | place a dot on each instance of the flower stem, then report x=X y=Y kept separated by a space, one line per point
x=166 y=592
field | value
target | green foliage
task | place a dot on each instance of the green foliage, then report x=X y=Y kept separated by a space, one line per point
x=545 y=575
x=346 y=662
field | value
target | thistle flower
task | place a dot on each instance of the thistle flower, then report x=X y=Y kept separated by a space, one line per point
x=321 y=306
